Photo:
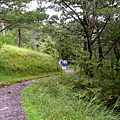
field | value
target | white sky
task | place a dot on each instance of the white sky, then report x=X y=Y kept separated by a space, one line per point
x=33 y=6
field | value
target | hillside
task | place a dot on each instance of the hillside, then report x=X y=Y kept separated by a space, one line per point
x=16 y=61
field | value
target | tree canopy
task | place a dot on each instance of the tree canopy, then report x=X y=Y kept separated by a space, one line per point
x=87 y=18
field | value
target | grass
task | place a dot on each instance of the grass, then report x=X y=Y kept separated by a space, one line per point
x=54 y=99
x=19 y=64
x=14 y=78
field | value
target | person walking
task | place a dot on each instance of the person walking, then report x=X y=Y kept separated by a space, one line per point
x=63 y=64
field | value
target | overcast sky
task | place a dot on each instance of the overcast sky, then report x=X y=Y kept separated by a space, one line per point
x=33 y=6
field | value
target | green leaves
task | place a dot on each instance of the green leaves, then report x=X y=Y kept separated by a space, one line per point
x=7 y=39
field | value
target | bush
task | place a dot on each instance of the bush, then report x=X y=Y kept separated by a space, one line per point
x=106 y=90
x=7 y=39
x=56 y=99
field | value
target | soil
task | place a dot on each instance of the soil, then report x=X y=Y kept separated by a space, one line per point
x=10 y=101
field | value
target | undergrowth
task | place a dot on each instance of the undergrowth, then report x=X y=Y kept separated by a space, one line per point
x=56 y=98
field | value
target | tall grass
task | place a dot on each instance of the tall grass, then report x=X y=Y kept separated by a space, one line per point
x=55 y=99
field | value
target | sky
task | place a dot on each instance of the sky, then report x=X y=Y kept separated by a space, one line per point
x=33 y=6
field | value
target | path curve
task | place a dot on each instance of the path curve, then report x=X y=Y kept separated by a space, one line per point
x=10 y=101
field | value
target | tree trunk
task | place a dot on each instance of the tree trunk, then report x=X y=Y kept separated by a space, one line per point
x=100 y=53
x=100 y=49
x=3 y=27
x=117 y=55
x=85 y=44
x=19 y=38
x=117 y=52
x=89 y=47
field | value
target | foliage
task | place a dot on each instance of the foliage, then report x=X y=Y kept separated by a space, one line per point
x=84 y=29
x=7 y=39
x=47 y=45
x=56 y=98
x=87 y=18
x=108 y=80
x=15 y=16
x=66 y=43
x=98 y=78
x=12 y=10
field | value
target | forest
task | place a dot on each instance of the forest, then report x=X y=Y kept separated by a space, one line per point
x=86 y=33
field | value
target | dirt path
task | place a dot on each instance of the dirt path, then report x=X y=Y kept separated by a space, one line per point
x=69 y=71
x=10 y=101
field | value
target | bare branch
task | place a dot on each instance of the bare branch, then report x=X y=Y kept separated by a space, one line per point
x=80 y=20
x=109 y=49
x=7 y=26
x=101 y=30
x=68 y=28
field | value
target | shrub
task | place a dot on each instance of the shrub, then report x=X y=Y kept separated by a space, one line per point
x=55 y=99
x=7 y=39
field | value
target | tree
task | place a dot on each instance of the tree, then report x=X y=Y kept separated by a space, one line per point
x=87 y=14
x=14 y=15
x=65 y=41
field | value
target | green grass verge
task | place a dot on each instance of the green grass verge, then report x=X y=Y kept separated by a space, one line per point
x=18 y=64
x=54 y=99
x=15 y=78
